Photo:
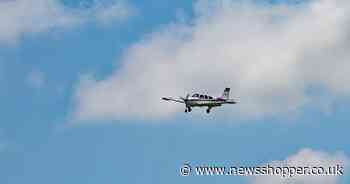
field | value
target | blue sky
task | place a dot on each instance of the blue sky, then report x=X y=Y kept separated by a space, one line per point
x=42 y=71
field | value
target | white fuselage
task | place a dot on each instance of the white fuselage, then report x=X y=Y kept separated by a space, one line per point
x=198 y=102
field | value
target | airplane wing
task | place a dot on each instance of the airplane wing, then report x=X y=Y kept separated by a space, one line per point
x=172 y=99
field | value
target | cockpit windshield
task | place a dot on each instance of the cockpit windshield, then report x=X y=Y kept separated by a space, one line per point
x=195 y=95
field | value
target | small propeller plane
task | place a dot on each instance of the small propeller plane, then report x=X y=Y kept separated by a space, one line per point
x=200 y=100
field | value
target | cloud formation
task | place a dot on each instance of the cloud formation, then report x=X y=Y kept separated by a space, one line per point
x=274 y=57
x=307 y=158
x=21 y=17
x=115 y=12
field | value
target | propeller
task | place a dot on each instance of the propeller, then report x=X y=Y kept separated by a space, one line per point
x=185 y=99
x=167 y=99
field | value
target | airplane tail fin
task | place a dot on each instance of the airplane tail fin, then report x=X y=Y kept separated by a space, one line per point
x=226 y=93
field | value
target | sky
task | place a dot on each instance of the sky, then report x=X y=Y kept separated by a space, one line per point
x=81 y=82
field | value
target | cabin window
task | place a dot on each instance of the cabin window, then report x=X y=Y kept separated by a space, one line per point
x=210 y=97
x=201 y=96
x=205 y=96
x=195 y=95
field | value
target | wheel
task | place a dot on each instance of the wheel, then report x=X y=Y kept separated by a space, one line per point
x=189 y=109
x=185 y=110
x=208 y=111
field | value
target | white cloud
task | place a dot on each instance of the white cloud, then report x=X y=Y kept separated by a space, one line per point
x=271 y=57
x=307 y=158
x=20 y=17
x=114 y=13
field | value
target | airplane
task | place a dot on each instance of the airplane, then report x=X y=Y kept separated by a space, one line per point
x=200 y=100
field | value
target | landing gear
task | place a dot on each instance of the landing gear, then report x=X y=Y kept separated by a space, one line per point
x=208 y=110
x=188 y=109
